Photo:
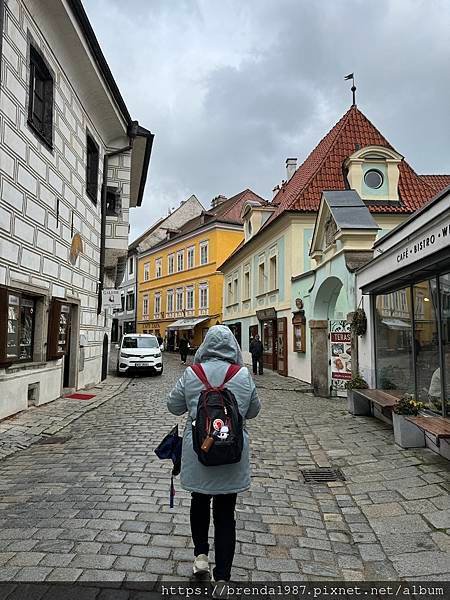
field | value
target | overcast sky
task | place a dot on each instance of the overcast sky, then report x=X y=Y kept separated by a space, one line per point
x=231 y=88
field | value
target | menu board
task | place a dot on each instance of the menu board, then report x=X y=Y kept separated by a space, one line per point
x=340 y=355
x=12 y=345
x=63 y=327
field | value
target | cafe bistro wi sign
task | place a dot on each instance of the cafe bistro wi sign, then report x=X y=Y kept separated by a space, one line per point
x=424 y=244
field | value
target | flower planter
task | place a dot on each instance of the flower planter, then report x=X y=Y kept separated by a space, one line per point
x=357 y=404
x=406 y=434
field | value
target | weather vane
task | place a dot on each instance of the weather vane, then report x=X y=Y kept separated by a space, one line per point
x=353 y=88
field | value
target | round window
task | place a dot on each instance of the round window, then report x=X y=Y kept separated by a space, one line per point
x=373 y=179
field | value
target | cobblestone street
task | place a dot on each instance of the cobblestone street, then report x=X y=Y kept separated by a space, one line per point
x=95 y=508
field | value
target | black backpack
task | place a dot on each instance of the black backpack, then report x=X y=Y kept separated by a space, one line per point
x=217 y=432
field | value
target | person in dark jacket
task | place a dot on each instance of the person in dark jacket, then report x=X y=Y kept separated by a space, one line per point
x=256 y=350
x=183 y=347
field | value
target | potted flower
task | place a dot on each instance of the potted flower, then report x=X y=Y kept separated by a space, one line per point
x=357 y=404
x=358 y=323
x=406 y=434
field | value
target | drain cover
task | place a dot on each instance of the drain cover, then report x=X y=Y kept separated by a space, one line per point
x=322 y=475
x=53 y=439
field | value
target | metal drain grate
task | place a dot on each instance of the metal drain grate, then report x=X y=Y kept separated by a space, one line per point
x=322 y=475
x=53 y=439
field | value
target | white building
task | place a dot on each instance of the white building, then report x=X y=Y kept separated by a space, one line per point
x=73 y=163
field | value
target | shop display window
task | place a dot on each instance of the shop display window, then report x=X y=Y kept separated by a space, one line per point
x=17 y=319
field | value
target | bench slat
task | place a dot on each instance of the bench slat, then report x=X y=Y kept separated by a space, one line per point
x=437 y=426
x=380 y=397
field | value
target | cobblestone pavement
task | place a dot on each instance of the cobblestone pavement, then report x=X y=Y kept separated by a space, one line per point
x=96 y=507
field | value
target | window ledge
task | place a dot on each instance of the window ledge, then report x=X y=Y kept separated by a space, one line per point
x=20 y=366
x=261 y=295
x=274 y=291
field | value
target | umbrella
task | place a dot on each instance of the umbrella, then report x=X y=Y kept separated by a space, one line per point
x=170 y=448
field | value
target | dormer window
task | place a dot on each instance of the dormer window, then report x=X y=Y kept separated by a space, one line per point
x=373 y=179
x=373 y=172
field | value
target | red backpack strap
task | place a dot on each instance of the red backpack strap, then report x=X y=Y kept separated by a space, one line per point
x=200 y=372
x=231 y=372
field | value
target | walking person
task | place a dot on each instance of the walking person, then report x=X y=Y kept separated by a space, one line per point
x=257 y=350
x=183 y=347
x=218 y=355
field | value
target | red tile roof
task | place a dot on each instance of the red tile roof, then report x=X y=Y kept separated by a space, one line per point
x=323 y=170
x=231 y=208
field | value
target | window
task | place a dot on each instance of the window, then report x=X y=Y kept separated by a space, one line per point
x=145 y=306
x=230 y=292
x=190 y=257
x=146 y=271
x=130 y=266
x=169 y=301
x=190 y=298
x=40 y=101
x=17 y=328
x=373 y=179
x=204 y=253
x=158 y=267
x=122 y=302
x=261 y=277
x=204 y=300
x=246 y=285
x=236 y=289
x=273 y=273
x=180 y=260
x=179 y=299
x=113 y=202
x=92 y=158
x=157 y=303
x=170 y=263
x=130 y=300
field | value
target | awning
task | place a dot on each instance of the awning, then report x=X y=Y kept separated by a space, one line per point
x=396 y=324
x=187 y=323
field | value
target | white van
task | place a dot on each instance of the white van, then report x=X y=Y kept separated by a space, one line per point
x=138 y=352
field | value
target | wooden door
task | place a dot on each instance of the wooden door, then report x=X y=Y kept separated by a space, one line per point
x=282 y=346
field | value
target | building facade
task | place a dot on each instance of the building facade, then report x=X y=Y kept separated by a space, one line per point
x=276 y=259
x=124 y=319
x=179 y=286
x=73 y=164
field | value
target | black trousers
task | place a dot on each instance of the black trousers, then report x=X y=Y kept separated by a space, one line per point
x=257 y=361
x=224 y=530
x=183 y=356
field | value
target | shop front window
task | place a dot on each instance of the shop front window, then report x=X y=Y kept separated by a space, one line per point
x=426 y=343
x=444 y=287
x=394 y=347
x=267 y=337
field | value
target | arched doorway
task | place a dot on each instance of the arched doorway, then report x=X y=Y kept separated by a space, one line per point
x=105 y=357
x=329 y=309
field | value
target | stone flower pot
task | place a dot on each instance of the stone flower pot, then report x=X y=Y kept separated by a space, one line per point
x=357 y=404
x=406 y=434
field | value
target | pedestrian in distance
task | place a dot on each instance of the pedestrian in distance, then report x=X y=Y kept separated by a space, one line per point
x=256 y=350
x=218 y=372
x=183 y=348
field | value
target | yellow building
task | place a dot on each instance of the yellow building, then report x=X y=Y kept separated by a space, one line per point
x=179 y=287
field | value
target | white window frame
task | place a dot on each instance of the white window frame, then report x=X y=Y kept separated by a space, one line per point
x=158 y=268
x=131 y=266
x=180 y=255
x=146 y=271
x=203 y=287
x=204 y=246
x=157 y=304
x=230 y=299
x=191 y=257
x=170 y=296
x=179 y=293
x=171 y=264
x=190 y=294
x=262 y=263
x=273 y=279
x=145 y=306
x=246 y=289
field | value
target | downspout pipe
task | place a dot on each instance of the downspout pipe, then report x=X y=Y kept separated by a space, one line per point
x=2 y=24
x=132 y=132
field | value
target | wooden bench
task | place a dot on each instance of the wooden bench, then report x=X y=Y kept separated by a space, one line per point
x=385 y=400
x=439 y=427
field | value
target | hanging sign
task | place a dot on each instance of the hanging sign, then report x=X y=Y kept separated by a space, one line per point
x=340 y=349
x=111 y=298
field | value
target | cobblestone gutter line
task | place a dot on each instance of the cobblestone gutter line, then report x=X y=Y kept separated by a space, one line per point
x=28 y=427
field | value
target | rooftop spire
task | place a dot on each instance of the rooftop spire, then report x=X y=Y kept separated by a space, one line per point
x=353 y=88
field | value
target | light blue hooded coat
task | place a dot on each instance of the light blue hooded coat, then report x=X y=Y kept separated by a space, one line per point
x=218 y=350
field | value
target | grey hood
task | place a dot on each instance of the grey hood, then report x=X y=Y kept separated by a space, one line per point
x=219 y=344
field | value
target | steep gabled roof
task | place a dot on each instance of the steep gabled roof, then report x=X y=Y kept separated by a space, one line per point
x=231 y=208
x=323 y=170
x=437 y=182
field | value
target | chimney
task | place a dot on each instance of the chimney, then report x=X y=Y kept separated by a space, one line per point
x=218 y=200
x=291 y=167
